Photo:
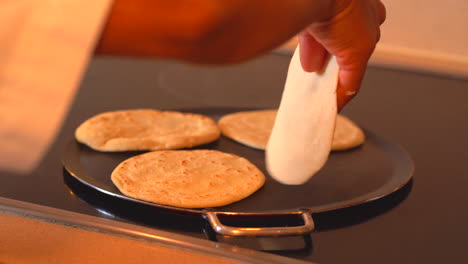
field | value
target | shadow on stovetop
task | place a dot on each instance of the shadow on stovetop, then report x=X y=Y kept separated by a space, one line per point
x=354 y=215
x=196 y=226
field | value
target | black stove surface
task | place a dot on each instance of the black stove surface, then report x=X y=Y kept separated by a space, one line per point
x=425 y=221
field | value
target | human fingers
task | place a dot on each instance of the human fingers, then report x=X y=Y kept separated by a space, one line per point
x=382 y=11
x=350 y=78
x=351 y=36
x=349 y=83
x=312 y=53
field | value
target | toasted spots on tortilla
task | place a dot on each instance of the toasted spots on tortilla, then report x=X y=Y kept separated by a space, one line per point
x=253 y=128
x=146 y=129
x=188 y=178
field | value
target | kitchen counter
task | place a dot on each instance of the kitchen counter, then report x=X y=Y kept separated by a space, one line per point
x=27 y=240
x=43 y=235
x=424 y=222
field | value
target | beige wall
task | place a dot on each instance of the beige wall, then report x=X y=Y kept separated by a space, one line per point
x=425 y=34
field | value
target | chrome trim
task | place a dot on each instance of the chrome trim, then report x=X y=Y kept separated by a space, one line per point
x=222 y=229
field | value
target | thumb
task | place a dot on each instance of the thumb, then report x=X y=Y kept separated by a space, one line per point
x=312 y=54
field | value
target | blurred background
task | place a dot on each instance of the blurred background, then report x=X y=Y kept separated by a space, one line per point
x=424 y=35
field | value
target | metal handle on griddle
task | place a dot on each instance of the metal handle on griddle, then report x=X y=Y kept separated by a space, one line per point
x=225 y=230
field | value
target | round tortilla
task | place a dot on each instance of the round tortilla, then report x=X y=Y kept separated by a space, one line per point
x=253 y=129
x=146 y=129
x=347 y=134
x=188 y=178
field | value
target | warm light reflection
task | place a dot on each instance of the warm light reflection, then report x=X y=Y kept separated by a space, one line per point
x=40 y=75
x=69 y=190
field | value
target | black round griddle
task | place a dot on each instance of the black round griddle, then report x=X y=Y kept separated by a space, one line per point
x=371 y=171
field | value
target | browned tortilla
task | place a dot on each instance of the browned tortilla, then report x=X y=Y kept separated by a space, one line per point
x=188 y=178
x=253 y=128
x=146 y=129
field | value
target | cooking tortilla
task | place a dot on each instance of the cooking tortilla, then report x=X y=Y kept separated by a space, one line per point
x=146 y=129
x=253 y=129
x=188 y=178
x=301 y=139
